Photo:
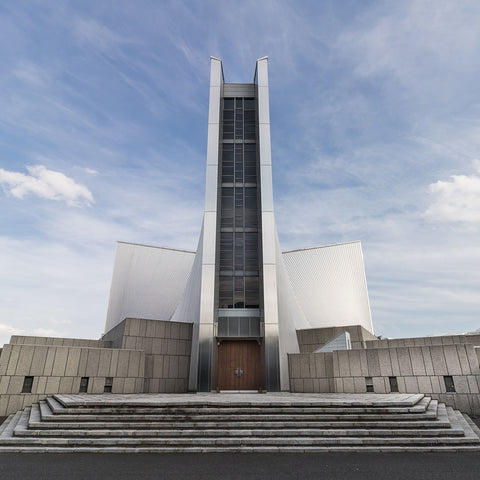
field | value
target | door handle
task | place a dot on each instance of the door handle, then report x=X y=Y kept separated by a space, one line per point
x=238 y=372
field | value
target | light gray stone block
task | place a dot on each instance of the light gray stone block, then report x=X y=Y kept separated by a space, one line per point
x=157 y=366
x=343 y=363
x=61 y=356
x=97 y=384
x=82 y=363
x=129 y=385
x=313 y=367
x=166 y=366
x=104 y=362
x=385 y=362
x=411 y=385
x=41 y=384
x=424 y=384
x=437 y=386
x=359 y=385
x=118 y=384
x=324 y=385
x=66 y=385
x=12 y=363
x=53 y=384
x=363 y=363
x=354 y=360
x=404 y=361
x=461 y=384
x=171 y=347
x=160 y=329
x=378 y=385
x=173 y=367
x=114 y=363
x=175 y=330
x=150 y=328
x=134 y=327
x=168 y=327
x=438 y=360
x=157 y=346
x=4 y=381
x=394 y=360
x=427 y=361
x=122 y=366
x=416 y=357
x=348 y=385
x=452 y=360
x=38 y=360
x=15 y=384
x=183 y=367
x=142 y=330
x=134 y=364
x=170 y=385
x=308 y=385
x=472 y=384
x=304 y=366
x=320 y=367
x=92 y=362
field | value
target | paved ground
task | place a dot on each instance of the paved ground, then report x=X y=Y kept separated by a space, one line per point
x=325 y=466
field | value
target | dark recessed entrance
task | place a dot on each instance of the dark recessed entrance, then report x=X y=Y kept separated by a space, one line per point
x=239 y=365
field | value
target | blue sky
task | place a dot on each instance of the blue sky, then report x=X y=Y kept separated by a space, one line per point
x=375 y=124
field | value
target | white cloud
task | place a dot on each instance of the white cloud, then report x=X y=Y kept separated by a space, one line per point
x=91 y=171
x=457 y=200
x=46 y=184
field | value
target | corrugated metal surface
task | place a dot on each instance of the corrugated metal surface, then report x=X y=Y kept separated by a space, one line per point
x=239 y=90
x=290 y=317
x=330 y=285
x=148 y=282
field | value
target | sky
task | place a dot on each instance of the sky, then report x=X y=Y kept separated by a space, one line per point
x=375 y=126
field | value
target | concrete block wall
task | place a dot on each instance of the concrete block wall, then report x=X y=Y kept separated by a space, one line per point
x=418 y=369
x=59 y=369
x=67 y=342
x=420 y=341
x=167 y=346
x=312 y=338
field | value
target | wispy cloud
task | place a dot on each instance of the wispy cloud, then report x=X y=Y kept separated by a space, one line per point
x=47 y=184
x=457 y=200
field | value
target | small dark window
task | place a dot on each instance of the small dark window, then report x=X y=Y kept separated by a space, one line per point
x=369 y=384
x=449 y=385
x=108 y=385
x=393 y=384
x=27 y=385
x=83 y=385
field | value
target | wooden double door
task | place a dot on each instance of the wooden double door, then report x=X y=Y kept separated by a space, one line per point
x=239 y=365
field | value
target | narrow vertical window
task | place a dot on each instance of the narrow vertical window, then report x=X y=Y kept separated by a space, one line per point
x=369 y=384
x=393 y=384
x=83 y=385
x=449 y=385
x=27 y=385
x=108 y=385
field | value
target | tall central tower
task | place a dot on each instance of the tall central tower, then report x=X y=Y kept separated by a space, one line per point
x=238 y=330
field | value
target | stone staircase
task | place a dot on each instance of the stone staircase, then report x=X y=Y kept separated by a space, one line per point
x=238 y=423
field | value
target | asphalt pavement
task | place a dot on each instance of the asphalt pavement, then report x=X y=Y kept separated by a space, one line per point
x=281 y=466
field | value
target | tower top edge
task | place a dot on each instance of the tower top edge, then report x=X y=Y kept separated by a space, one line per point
x=262 y=58
x=215 y=58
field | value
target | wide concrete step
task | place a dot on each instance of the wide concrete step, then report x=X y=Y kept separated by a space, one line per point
x=238 y=441
x=247 y=400
x=58 y=408
x=55 y=425
x=199 y=415
x=310 y=432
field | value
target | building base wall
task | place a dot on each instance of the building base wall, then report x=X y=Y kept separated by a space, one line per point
x=414 y=369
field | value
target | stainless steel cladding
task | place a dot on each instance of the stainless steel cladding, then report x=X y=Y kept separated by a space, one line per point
x=330 y=285
x=147 y=282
